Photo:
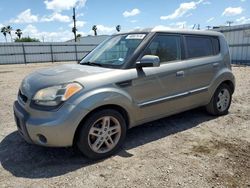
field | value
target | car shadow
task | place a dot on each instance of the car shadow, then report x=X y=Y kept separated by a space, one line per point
x=31 y=161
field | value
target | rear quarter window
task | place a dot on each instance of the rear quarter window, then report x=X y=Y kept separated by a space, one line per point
x=199 y=46
x=216 y=45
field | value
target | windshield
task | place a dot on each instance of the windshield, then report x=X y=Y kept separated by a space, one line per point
x=114 y=51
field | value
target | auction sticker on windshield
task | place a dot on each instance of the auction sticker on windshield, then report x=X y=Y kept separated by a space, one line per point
x=136 y=36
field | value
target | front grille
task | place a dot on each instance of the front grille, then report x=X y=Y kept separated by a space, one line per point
x=22 y=96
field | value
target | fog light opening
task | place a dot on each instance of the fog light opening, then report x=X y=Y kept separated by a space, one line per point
x=42 y=139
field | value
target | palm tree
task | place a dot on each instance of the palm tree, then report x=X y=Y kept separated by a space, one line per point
x=78 y=36
x=19 y=33
x=4 y=31
x=118 y=28
x=74 y=31
x=9 y=29
x=94 y=28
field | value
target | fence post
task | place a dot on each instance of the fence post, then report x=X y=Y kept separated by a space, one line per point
x=51 y=52
x=76 y=52
x=24 y=54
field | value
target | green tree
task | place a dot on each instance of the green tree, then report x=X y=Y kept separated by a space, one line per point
x=9 y=29
x=4 y=31
x=27 y=39
x=19 y=33
x=94 y=28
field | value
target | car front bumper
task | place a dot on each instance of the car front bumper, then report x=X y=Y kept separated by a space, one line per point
x=53 y=128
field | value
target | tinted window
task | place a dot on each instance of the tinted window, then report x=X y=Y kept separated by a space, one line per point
x=199 y=46
x=166 y=47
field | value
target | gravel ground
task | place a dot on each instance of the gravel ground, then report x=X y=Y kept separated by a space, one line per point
x=191 y=149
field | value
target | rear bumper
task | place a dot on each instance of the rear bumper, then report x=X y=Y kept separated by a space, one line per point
x=52 y=129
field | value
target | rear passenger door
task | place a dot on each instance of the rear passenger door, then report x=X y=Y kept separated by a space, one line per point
x=202 y=60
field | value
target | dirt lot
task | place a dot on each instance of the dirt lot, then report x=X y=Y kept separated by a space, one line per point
x=191 y=149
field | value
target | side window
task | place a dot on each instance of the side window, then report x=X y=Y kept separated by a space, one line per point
x=199 y=46
x=216 y=44
x=166 y=47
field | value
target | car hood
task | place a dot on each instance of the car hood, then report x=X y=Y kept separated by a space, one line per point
x=57 y=75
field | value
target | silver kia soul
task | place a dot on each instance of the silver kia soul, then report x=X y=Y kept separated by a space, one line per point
x=129 y=79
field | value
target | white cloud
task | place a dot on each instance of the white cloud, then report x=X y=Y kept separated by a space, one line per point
x=30 y=29
x=210 y=19
x=25 y=17
x=182 y=10
x=206 y=3
x=78 y=24
x=60 y=36
x=243 y=20
x=134 y=21
x=232 y=11
x=133 y=12
x=60 y=5
x=188 y=15
x=56 y=17
x=135 y=29
x=181 y=25
x=103 y=30
x=161 y=27
x=79 y=15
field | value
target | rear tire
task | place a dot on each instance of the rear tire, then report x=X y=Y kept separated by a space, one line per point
x=102 y=134
x=220 y=101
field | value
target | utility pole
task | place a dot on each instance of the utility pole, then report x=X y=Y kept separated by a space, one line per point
x=194 y=26
x=74 y=19
x=208 y=27
x=198 y=27
x=229 y=23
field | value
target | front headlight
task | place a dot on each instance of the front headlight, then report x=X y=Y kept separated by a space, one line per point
x=52 y=96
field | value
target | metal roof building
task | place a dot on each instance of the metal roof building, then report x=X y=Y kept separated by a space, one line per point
x=238 y=38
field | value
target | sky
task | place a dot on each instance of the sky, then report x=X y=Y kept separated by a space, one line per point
x=51 y=20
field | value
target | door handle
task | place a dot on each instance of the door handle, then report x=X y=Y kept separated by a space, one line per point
x=180 y=74
x=215 y=65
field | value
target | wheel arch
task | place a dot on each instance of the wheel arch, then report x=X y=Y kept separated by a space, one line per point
x=230 y=84
x=116 y=107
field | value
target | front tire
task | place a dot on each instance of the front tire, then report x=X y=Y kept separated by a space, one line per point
x=220 y=101
x=102 y=134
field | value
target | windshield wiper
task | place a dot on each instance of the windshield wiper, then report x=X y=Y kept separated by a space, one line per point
x=92 y=64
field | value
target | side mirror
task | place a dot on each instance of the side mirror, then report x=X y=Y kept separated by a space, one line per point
x=148 y=61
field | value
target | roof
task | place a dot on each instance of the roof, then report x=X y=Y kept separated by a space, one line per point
x=181 y=31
